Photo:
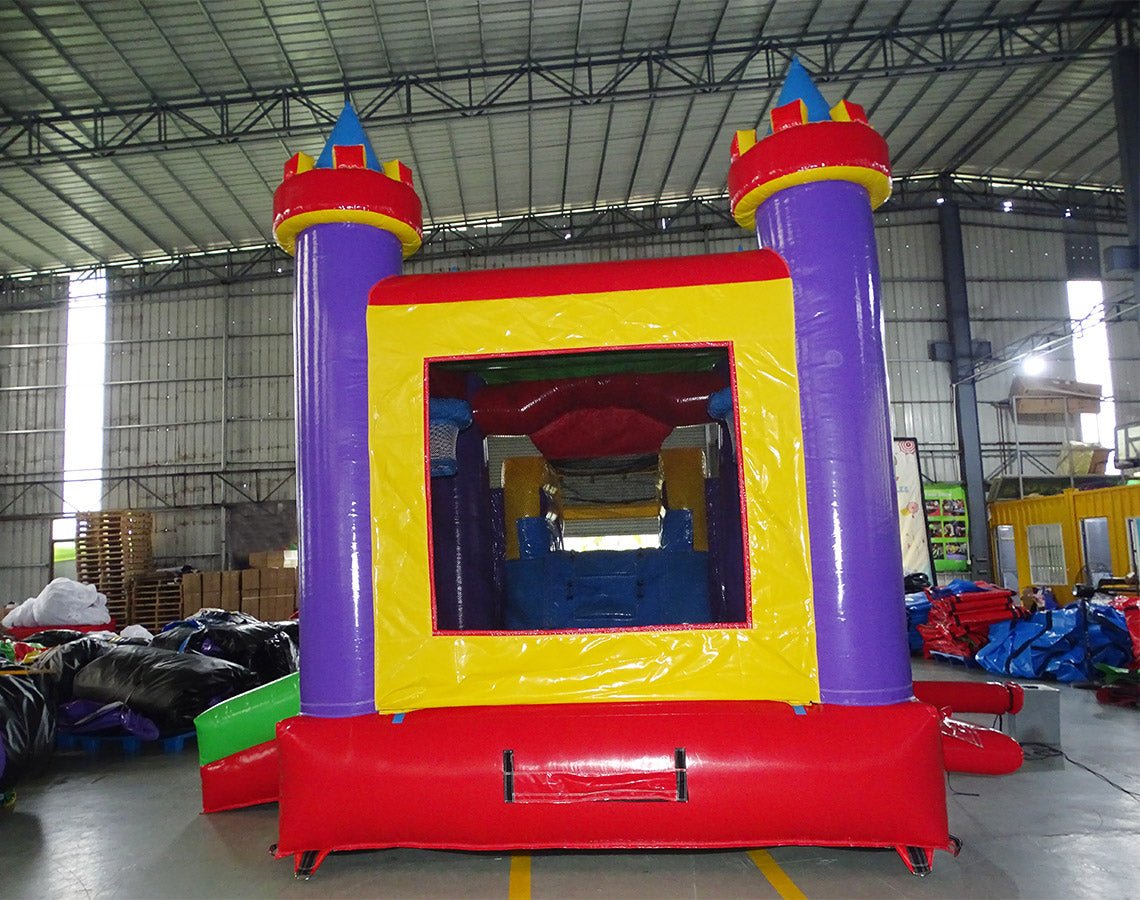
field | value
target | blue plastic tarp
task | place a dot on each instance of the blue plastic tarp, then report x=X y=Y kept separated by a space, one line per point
x=1065 y=644
x=917 y=613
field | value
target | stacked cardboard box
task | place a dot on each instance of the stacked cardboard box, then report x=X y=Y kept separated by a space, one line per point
x=268 y=594
x=210 y=590
x=191 y=594
x=111 y=548
x=273 y=559
x=1079 y=458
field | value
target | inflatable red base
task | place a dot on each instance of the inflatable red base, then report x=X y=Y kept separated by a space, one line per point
x=246 y=778
x=615 y=775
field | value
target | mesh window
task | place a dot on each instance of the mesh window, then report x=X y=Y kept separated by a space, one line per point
x=1046 y=554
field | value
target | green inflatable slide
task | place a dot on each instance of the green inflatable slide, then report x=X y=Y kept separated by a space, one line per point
x=246 y=720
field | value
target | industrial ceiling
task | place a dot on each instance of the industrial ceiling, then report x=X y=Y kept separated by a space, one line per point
x=135 y=129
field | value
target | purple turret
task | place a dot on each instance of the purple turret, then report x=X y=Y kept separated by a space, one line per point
x=809 y=189
x=350 y=222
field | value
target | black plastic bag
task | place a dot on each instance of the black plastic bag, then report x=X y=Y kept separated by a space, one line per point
x=915 y=582
x=214 y=616
x=63 y=662
x=27 y=727
x=53 y=637
x=259 y=646
x=168 y=687
x=290 y=627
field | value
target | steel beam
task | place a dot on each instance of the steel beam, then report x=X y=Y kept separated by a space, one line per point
x=965 y=390
x=1097 y=203
x=698 y=217
x=1048 y=338
x=25 y=498
x=1086 y=32
x=1126 y=98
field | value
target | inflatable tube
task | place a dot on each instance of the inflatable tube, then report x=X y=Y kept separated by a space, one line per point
x=246 y=720
x=993 y=697
x=245 y=778
x=978 y=751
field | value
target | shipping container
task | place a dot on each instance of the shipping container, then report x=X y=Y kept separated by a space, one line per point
x=1064 y=539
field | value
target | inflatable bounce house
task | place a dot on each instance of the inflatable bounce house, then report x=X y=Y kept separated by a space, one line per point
x=734 y=671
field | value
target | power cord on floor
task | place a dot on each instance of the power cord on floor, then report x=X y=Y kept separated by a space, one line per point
x=1035 y=751
x=955 y=791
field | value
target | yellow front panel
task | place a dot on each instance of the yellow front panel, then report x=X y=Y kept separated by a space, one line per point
x=773 y=658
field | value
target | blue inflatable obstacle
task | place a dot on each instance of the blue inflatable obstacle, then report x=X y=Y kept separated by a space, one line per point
x=550 y=588
x=1065 y=644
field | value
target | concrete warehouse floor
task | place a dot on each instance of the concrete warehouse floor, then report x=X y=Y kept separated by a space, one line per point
x=130 y=828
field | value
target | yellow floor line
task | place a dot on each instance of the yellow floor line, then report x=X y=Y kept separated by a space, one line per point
x=519 y=886
x=776 y=876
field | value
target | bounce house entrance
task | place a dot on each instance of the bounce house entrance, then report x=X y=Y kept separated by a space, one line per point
x=585 y=490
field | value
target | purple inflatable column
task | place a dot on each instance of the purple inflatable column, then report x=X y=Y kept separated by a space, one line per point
x=811 y=187
x=336 y=265
x=350 y=224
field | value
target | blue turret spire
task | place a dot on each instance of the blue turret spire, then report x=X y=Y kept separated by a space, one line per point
x=799 y=86
x=348 y=132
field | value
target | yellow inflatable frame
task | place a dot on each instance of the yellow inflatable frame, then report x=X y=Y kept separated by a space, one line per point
x=772 y=656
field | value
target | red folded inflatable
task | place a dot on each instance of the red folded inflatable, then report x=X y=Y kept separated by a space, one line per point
x=959 y=625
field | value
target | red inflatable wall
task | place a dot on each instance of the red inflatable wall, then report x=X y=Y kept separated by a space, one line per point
x=716 y=774
x=246 y=778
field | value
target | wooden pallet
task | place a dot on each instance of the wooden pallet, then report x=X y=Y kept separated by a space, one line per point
x=155 y=600
x=111 y=548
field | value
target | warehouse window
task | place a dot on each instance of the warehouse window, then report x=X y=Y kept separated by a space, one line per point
x=83 y=408
x=1091 y=359
x=1096 y=548
x=1047 y=554
x=1006 y=559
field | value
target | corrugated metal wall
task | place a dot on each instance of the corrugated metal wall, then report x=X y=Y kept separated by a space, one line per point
x=199 y=409
x=922 y=404
x=1124 y=350
x=199 y=396
x=32 y=358
x=1016 y=282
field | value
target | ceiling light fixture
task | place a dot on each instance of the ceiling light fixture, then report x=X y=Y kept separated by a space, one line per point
x=1033 y=365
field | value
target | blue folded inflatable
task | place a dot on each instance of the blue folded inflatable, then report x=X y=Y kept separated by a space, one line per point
x=917 y=613
x=1065 y=644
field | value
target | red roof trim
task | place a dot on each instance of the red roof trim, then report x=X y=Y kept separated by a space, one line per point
x=581 y=278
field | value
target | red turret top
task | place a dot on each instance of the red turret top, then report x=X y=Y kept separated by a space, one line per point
x=842 y=147
x=347 y=184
